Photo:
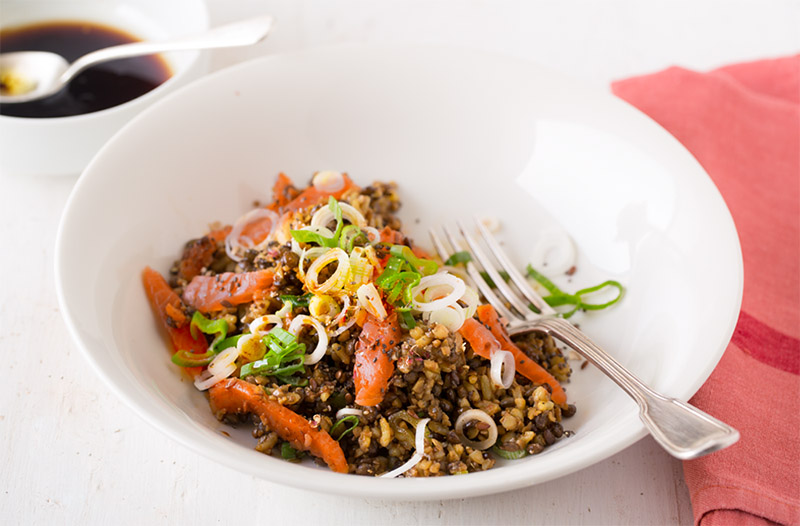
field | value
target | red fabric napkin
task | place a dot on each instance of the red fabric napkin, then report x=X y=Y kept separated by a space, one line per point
x=742 y=123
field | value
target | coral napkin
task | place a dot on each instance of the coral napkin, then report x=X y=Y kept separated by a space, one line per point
x=742 y=123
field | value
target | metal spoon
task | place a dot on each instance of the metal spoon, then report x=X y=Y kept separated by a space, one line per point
x=42 y=73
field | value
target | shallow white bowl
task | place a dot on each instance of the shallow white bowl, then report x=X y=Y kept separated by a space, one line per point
x=462 y=133
x=65 y=145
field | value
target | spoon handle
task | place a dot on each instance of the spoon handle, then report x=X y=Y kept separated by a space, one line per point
x=243 y=33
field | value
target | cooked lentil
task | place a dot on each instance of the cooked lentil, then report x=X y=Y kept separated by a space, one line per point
x=437 y=375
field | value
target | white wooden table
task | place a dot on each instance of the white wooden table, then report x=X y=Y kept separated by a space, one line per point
x=71 y=453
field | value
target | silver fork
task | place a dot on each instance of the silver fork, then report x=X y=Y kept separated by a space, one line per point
x=683 y=430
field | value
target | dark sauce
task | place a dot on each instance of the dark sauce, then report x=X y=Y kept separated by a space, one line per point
x=97 y=88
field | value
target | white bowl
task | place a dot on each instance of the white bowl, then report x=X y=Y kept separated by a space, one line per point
x=64 y=145
x=462 y=133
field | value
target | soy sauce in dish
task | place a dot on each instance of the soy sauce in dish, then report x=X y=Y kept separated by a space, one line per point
x=100 y=87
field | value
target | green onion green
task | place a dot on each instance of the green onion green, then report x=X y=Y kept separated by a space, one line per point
x=489 y=281
x=285 y=357
x=508 y=455
x=207 y=326
x=426 y=267
x=185 y=358
x=204 y=325
x=352 y=419
x=558 y=297
x=406 y=319
x=307 y=236
x=403 y=272
x=351 y=235
x=459 y=257
x=297 y=301
x=290 y=453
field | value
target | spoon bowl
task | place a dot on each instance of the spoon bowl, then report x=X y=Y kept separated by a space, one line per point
x=32 y=75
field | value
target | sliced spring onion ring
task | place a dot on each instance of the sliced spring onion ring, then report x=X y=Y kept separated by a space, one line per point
x=503 y=369
x=481 y=416
x=419 y=437
x=436 y=292
x=471 y=301
x=458 y=272
x=322 y=343
x=285 y=310
x=251 y=347
x=350 y=235
x=328 y=181
x=344 y=327
x=233 y=239
x=509 y=455
x=373 y=234
x=419 y=453
x=324 y=308
x=321 y=230
x=337 y=278
x=452 y=317
x=206 y=380
x=457 y=285
x=348 y=411
x=325 y=215
x=223 y=360
x=310 y=253
x=554 y=252
x=258 y=324
x=370 y=300
x=345 y=305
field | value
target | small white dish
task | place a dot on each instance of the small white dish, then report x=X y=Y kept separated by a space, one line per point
x=463 y=133
x=64 y=145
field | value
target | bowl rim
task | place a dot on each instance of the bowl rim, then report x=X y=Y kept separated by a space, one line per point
x=327 y=481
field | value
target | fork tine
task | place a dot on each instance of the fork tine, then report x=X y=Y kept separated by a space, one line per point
x=444 y=251
x=484 y=287
x=499 y=282
x=438 y=244
x=518 y=279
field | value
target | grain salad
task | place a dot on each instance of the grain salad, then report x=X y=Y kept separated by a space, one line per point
x=318 y=322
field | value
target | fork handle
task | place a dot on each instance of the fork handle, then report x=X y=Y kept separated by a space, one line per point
x=683 y=430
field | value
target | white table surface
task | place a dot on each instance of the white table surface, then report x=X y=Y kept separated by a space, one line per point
x=72 y=453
